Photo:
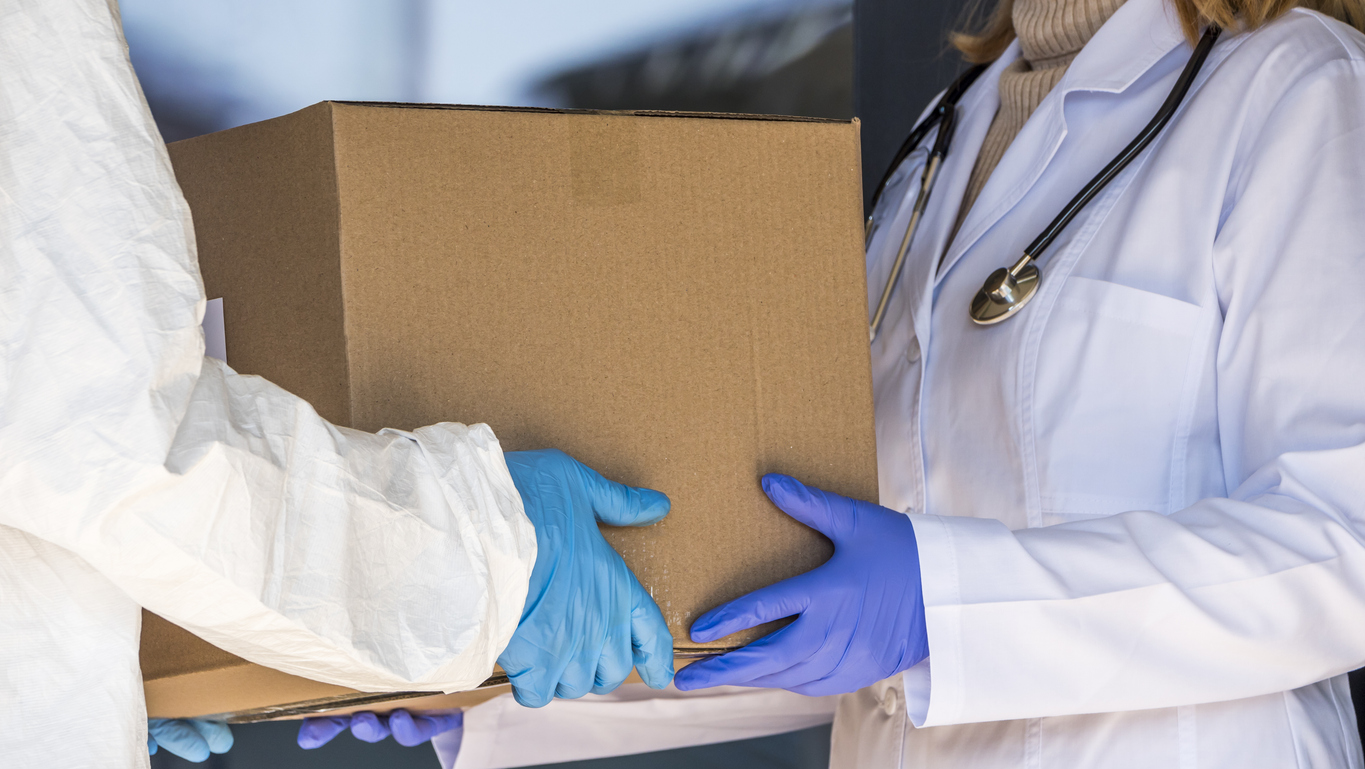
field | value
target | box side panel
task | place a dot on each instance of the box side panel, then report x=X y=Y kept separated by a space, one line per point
x=170 y=650
x=678 y=303
x=231 y=690
x=264 y=202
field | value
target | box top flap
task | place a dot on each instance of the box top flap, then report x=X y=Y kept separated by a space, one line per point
x=635 y=113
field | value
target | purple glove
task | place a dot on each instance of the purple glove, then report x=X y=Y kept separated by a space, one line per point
x=407 y=729
x=861 y=613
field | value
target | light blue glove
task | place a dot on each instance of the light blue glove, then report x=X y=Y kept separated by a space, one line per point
x=407 y=729
x=192 y=739
x=586 y=621
x=861 y=613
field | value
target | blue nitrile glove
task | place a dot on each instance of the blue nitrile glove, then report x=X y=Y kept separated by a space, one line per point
x=861 y=613
x=408 y=729
x=193 y=739
x=586 y=621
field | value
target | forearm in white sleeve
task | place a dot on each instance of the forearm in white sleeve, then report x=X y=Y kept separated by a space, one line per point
x=379 y=562
x=398 y=560
x=1259 y=592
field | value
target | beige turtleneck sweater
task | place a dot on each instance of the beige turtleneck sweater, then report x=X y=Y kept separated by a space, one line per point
x=1051 y=33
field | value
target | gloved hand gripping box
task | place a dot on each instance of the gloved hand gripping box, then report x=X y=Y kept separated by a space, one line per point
x=677 y=300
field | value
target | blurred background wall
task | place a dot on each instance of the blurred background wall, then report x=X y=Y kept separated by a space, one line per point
x=214 y=64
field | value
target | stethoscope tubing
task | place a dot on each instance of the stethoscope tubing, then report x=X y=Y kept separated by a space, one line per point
x=1134 y=148
x=944 y=116
x=921 y=202
x=946 y=103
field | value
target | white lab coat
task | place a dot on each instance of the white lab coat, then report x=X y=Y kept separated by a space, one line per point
x=133 y=471
x=500 y=734
x=1140 y=504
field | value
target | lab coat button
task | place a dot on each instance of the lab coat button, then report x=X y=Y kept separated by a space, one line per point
x=912 y=352
x=891 y=701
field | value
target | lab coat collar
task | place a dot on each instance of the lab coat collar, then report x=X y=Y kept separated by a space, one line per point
x=1132 y=41
x=1136 y=37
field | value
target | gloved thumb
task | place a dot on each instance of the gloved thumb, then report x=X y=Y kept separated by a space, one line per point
x=813 y=507
x=617 y=504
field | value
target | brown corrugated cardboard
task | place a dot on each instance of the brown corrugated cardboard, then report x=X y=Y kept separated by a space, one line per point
x=676 y=300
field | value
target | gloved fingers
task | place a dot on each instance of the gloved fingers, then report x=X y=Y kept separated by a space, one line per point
x=151 y=745
x=578 y=676
x=824 y=687
x=617 y=504
x=533 y=686
x=811 y=506
x=217 y=735
x=817 y=667
x=410 y=730
x=651 y=642
x=180 y=738
x=782 y=599
x=770 y=654
x=316 y=732
x=616 y=659
x=368 y=727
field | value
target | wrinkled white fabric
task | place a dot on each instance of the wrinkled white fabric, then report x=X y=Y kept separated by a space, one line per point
x=1140 y=505
x=134 y=471
x=500 y=734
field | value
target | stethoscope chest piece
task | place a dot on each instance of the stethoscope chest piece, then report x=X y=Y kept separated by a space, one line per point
x=1005 y=293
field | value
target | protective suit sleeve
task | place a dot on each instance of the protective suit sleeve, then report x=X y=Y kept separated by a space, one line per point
x=378 y=562
x=1257 y=592
x=397 y=554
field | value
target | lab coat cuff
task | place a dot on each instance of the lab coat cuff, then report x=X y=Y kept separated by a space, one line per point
x=917 y=684
x=933 y=700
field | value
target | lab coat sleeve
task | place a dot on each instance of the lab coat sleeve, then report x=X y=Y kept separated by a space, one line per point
x=1259 y=592
x=379 y=562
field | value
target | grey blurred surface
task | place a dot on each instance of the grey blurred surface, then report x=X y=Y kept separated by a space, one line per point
x=789 y=59
x=272 y=746
x=902 y=59
x=215 y=64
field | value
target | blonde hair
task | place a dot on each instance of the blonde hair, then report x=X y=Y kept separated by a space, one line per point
x=987 y=35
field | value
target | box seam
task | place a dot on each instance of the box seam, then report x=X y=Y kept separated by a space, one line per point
x=626 y=113
x=341 y=262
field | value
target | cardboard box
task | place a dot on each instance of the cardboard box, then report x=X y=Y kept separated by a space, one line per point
x=677 y=300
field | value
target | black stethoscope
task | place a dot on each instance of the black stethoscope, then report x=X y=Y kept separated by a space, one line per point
x=1008 y=289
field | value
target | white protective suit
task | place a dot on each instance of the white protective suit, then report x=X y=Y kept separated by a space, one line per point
x=1140 y=504
x=135 y=472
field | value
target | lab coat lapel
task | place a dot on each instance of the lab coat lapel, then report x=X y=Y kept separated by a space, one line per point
x=975 y=111
x=1134 y=39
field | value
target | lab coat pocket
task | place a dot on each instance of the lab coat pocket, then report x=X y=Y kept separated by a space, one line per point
x=1110 y=386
